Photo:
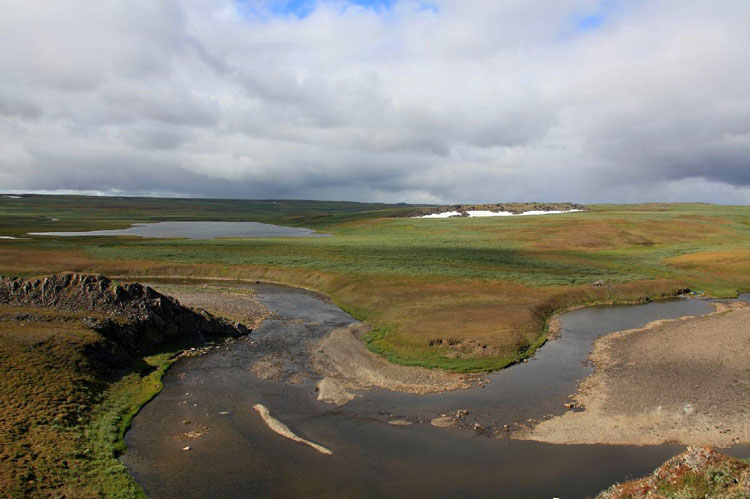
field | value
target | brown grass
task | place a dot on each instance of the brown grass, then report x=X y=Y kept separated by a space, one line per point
x=728 y=263
x=490 y=291
x=483 y=318
x=45 y=382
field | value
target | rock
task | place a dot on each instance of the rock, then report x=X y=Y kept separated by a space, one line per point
x=334 y=391
x=706 y=469
x=400 y=422
x=443 y=422
x=187 y=447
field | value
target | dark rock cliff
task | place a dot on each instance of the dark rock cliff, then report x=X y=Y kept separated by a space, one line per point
x=133 y=318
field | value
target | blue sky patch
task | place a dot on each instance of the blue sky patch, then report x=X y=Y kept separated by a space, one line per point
x=596 y=18
x=297 y=8
x=590 y=22
x=303 y=8
x=374 y=4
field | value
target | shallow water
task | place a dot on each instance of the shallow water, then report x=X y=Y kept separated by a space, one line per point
x=241 y=457
x=196 y=230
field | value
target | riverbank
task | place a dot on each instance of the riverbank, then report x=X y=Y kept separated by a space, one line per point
x=231 y=302
x=79 y=356
x=457 y=362
x=349 y=366
x=684 y=381
x=341 y=357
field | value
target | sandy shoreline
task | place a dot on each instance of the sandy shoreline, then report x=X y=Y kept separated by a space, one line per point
x=155 y=280
x=348 y=366
x=237 y=305
x=685 y=381
x=341 y=357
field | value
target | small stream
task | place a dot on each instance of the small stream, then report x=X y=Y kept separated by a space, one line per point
x=238 y=456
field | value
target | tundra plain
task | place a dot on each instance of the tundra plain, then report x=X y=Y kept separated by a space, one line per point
x=461 y=294
x=464 y=294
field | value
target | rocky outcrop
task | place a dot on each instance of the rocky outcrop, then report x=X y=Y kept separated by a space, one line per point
x=697 y=472
x=134 y=318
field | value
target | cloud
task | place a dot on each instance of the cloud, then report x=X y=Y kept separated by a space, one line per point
x=402 y=100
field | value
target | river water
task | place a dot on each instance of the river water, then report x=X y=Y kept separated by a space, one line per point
x=238 y=456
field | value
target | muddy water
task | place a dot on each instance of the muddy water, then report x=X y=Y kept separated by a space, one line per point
x=238 y=456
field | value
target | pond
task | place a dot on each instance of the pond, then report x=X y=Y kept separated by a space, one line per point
x=196 y=230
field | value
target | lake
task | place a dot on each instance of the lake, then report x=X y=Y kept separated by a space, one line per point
x=195 y=230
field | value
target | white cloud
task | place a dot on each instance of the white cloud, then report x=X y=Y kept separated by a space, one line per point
x=473 y=101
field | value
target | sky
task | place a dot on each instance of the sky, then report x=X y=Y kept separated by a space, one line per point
x=420 y=101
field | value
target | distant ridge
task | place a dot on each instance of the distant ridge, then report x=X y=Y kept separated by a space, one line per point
x=515 y=208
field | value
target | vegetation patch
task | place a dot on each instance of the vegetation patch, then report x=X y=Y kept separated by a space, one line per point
x=697 y=472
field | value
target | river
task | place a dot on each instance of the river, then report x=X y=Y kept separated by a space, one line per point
x=239 y=456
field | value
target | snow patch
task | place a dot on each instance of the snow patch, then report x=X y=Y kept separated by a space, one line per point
x=485 y=213
x=446 y=214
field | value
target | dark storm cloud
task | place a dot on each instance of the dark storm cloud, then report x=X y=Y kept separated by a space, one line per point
x=467 y=101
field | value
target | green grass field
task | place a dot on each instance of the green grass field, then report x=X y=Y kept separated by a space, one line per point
x=486 y=284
